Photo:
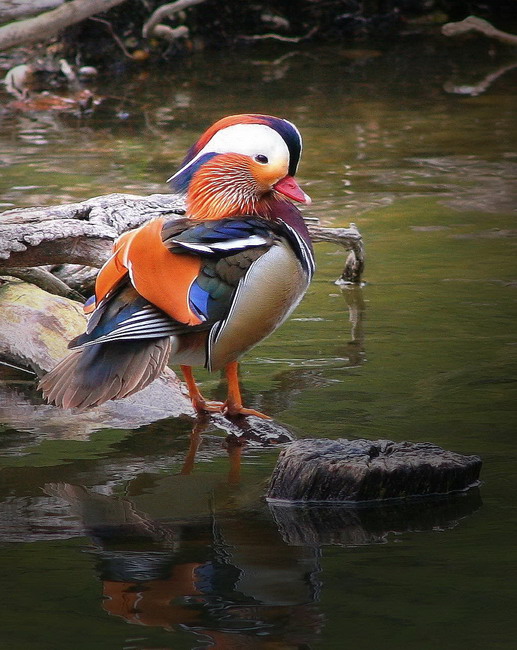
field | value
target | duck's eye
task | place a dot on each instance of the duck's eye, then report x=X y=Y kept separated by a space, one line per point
x=261 y=159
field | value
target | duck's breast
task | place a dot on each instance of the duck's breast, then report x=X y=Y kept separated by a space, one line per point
x=269 y=292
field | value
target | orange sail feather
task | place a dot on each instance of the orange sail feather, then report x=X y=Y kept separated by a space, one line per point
x=159 y=275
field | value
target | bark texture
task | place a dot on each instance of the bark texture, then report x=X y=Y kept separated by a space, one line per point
x=364 y=470
x=50 y=23
x=76 y=233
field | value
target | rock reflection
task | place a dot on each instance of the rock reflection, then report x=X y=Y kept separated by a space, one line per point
x=227 y=581
x=317 y=524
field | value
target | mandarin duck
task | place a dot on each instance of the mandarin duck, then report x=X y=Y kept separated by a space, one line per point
x=204 y=289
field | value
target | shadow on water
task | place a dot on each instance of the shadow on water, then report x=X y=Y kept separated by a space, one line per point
x=226 y=571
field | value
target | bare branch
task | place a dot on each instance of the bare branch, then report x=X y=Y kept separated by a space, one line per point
x=350 y=239
x=17 y=9
x=153 y=28
x=44 y=280
x=475 y=24
x=50 y=23
x=118 y=41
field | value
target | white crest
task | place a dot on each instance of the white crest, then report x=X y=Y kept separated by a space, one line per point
x=248 y=139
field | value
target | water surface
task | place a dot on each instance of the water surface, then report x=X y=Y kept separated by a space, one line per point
x=114 y=539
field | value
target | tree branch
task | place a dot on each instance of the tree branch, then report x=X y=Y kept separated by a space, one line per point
x=350 y=239
x=17 y=9
x=50 y=23
x=153 y=28
x=475 y=24
x=44 y=280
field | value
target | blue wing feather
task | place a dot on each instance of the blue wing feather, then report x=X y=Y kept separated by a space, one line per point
x=199 y=298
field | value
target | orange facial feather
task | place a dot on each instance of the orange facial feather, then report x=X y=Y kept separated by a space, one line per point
x=231 y=185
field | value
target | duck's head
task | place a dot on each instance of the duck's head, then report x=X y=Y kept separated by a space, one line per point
x=239 y=165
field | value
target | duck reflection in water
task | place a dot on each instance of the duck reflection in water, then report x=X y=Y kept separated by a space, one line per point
x=229 y=575
x=229 y=580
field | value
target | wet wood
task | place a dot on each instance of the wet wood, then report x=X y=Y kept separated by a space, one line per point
x=363 y=470
x=350 y=239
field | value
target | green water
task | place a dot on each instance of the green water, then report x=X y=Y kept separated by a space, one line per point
x=429 y=177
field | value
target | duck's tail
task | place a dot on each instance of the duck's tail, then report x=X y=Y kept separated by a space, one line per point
x=98 y=373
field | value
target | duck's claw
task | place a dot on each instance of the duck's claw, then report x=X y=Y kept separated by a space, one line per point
x=202 y=405
x=231 y=410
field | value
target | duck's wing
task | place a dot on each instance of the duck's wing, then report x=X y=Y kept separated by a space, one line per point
x=170 y=278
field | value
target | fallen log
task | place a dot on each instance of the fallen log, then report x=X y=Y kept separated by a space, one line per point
x=35 y=328
x=83 y=233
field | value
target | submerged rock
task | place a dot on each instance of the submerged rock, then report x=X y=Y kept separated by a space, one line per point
x=364 y=470
x=36 y=326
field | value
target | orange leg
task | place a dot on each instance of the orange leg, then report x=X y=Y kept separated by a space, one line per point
x=198 y=401
x=233 y=404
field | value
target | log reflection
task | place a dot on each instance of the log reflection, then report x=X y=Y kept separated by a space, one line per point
x=305 y=524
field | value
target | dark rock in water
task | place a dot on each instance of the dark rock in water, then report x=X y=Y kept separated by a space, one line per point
x=365 y=470
x=310 y=524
